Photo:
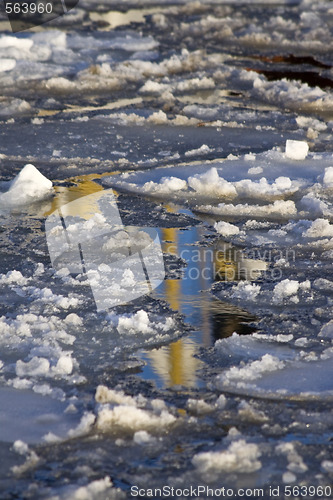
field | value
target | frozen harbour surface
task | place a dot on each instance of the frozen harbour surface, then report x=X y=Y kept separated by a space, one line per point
x=211 y=125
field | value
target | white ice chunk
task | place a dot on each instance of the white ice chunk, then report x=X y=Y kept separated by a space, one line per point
x=264 y=189
x=64 y=365
x=221 y=402
x=295 y=461
x=284 y=289
x=22 y=44
x=314 y=205
x=20 y=447
x=250 y=157
x=199 y=151
x=319 y=228
x=105 y=395
x=225 y=228
x=241 y=457
x=6 y=64
x=327 y=466
x=210 y=183
x=280 y=208
x=100 y=488
x=73 y=319
x=245 y=291
x=255 y=170
x=143 y=437
x=328 y=177
x=13 y=278
x=296 y=150
x=252 y=370
x=199 y=406
x=132 y=418
x=27 y=187
x=85 y=425
x=128 y=278
x=14 y=106
x=165 y=186
x=288 y=477
x=35 y=367
x=139 y=322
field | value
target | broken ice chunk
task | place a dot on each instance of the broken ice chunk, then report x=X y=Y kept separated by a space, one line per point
x=328 y=177
x=296 y=150
x=327 y=330
x=225 y=228
x=6 y=64
x=285 y=289
x=28 y=186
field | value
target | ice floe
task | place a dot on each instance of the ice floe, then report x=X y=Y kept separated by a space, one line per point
x=302 y=193
x=270 y=368
x=30 y=416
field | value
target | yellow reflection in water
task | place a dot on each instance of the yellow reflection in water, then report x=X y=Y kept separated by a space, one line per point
x=83 y=186
x=175 y=364
x=230 y=264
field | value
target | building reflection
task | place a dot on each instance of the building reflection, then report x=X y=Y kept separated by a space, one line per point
x=176 y=364
x=227 y=319
x=231 y=264
x=213 y=319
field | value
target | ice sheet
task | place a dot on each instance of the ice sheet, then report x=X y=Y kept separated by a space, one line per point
x=29 y=417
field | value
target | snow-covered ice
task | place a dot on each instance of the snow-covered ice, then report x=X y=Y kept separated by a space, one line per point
x=28 y=186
